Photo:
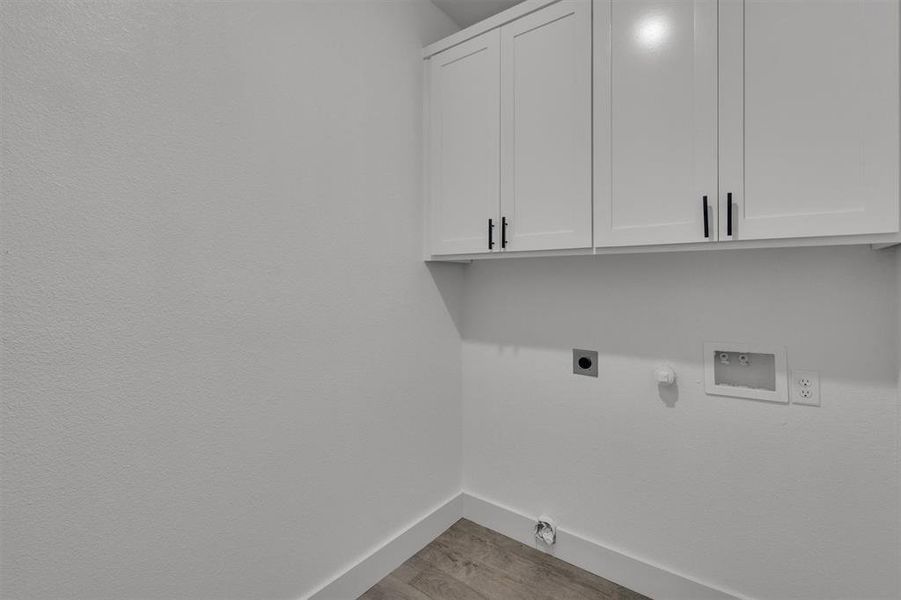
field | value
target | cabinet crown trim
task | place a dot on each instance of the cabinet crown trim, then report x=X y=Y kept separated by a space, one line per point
x=498 y=20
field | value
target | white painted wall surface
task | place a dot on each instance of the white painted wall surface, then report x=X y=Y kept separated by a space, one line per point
x=469 y=12
x=898 y=457
x=226 y=371
x=769 y=500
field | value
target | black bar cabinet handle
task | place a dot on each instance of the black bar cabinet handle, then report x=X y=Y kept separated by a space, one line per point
x=503 y=232
x=729 y=213
x=706 y=219
x=490 y=234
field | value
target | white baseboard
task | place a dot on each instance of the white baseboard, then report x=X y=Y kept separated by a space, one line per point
x=390 y=555
x=636 y=574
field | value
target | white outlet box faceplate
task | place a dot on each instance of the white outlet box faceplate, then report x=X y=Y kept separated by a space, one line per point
x=805 y=388
x=738 y=356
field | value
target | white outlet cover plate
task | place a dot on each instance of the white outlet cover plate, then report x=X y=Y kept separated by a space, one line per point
x=780 y=394
x=814 y=387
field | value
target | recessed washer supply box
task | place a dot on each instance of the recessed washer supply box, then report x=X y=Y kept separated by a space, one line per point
x=740 y=370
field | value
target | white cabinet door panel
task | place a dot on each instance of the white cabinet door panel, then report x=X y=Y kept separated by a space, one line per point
x=657 y=87
x=464 y=142
x=809 y=116
x=546 y=128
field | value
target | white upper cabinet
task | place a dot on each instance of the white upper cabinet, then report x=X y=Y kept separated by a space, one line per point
x=655 y=117
x=809 y=117
x=510 y=136
x=464 y=145
x=559 y=126
x=546 y=129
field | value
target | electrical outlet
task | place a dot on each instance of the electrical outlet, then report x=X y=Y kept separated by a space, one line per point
x=585 y=362
x=806 y=388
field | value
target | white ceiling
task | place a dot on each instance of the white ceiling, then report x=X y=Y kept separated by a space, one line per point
x=467 y=12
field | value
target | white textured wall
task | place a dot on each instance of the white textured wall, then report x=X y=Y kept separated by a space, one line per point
x=226 y=371
x=769 y=500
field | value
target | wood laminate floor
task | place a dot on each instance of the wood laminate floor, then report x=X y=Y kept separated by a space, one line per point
x=470 y=562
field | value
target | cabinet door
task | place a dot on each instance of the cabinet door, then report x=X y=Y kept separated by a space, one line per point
x=546 y=128
x=809 y=116
x=655 y=121
x=464 y=143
